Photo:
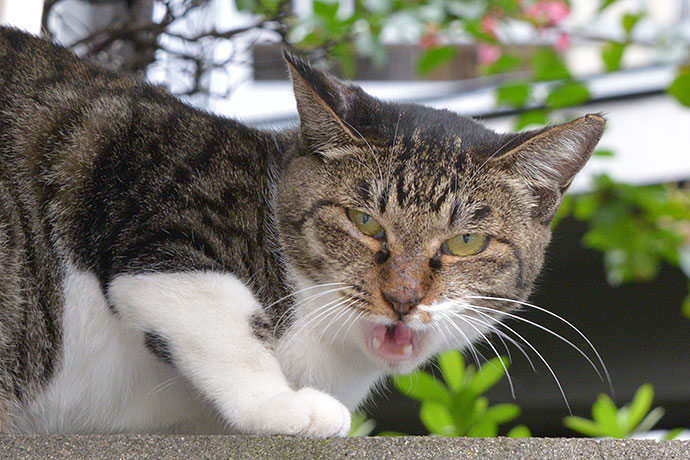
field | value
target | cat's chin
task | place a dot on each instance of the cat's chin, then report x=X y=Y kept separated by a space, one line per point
x=397 y=346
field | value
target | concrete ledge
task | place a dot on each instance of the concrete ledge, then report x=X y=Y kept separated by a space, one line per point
x=402 y=448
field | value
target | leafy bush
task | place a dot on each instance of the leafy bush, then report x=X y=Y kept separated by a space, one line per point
x=456 y=406
x=631 y=419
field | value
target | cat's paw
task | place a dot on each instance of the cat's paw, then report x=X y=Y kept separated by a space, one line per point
x=306 y=412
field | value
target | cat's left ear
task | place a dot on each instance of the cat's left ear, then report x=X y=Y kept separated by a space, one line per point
x=548 y=159
x=326 y=109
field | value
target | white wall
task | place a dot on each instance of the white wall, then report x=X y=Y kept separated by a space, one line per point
x=23 y=14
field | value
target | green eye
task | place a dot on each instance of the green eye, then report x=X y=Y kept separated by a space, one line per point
x=467 y=244
x=365 y=223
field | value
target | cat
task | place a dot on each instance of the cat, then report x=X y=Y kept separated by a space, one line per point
x=165 y=270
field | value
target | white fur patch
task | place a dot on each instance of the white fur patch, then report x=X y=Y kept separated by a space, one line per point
x=323 y=347
x=107 y=381
x=205 y=319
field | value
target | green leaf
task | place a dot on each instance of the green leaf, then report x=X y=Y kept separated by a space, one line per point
x=649 y=421
x=611 y=54
x=345 y=56
x=605 y=414
x=605 y=4
x=392 y=433
x=422 y=387
x=453 y=368
x=360 y=425
x=436 y=418
x=483 y=429
x=513 y=95
x=463 y=409
x=434 y=58
x=519 y=431
x=583 y=426
x=629 y=21
x=245 y=5
x=488 y=375
x=567 y=94
x=473 y=28
x=685 y=308
x=529 y=118
x=506 y=63
x=640 y=406
x=680 y=88
x=548 y=65
x=325 y=10
x=502 y=413
x=603 y=153
x=673 y=434
x=509 y=6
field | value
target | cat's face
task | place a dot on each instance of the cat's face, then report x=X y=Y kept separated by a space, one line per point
x=406 y=216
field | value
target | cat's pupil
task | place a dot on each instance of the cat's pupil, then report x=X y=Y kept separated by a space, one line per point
x=365 y=218
x=466 y=237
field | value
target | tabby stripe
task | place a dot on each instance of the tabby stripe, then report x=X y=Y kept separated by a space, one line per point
x=316 y=207
x=520 y=281
x=169 y=236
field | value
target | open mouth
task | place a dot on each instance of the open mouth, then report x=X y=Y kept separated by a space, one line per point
x=394 y=342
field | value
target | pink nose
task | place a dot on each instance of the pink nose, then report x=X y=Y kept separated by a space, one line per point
x=404 y=303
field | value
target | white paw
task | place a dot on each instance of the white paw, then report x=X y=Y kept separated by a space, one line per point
x=306 y=412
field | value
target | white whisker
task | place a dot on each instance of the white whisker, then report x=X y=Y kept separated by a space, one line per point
x=537 y=325
x=345 y=310
x=312 y=319
x=553 y=374
x=544 y=310
x=502 y=335
x=470 y=345
x=467 y=321
x=305 y=301
x=347 y=331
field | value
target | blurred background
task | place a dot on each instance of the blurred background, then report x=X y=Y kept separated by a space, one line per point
x=619 y=263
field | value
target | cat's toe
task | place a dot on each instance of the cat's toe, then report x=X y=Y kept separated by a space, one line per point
x=328 y=416
x=307 y=412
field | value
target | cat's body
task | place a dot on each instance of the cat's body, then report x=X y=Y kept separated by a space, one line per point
x=163 y=269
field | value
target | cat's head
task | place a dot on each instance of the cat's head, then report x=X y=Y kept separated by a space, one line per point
x=407 y=217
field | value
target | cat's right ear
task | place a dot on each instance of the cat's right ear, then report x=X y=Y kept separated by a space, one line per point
x=326 y=109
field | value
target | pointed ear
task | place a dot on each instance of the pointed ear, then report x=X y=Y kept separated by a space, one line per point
x=324 y=104
x=548 y=159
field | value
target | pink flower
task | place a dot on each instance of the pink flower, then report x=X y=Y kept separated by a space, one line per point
x=548 y=12
x=562 y=42
x=488 y=25
x=430 y=39
x=488 y=54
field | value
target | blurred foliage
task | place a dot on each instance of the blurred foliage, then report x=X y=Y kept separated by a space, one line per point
x=632 y=419
x=456 y=406
x=361 y=425
x=636 y=228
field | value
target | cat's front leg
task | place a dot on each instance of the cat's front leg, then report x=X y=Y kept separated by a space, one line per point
x=202 y=324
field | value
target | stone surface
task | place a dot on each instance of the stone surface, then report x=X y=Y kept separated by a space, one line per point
x=400 y=448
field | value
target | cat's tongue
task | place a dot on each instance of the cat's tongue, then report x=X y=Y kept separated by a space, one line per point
x=393 y=342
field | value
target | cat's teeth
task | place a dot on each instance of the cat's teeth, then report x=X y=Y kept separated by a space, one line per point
x=376 y=343
x=407 y=349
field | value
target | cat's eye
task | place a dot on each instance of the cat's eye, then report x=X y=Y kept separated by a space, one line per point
x=365 y=223
x=466 y=244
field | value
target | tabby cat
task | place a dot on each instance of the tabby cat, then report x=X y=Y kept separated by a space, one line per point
x=167 y=270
